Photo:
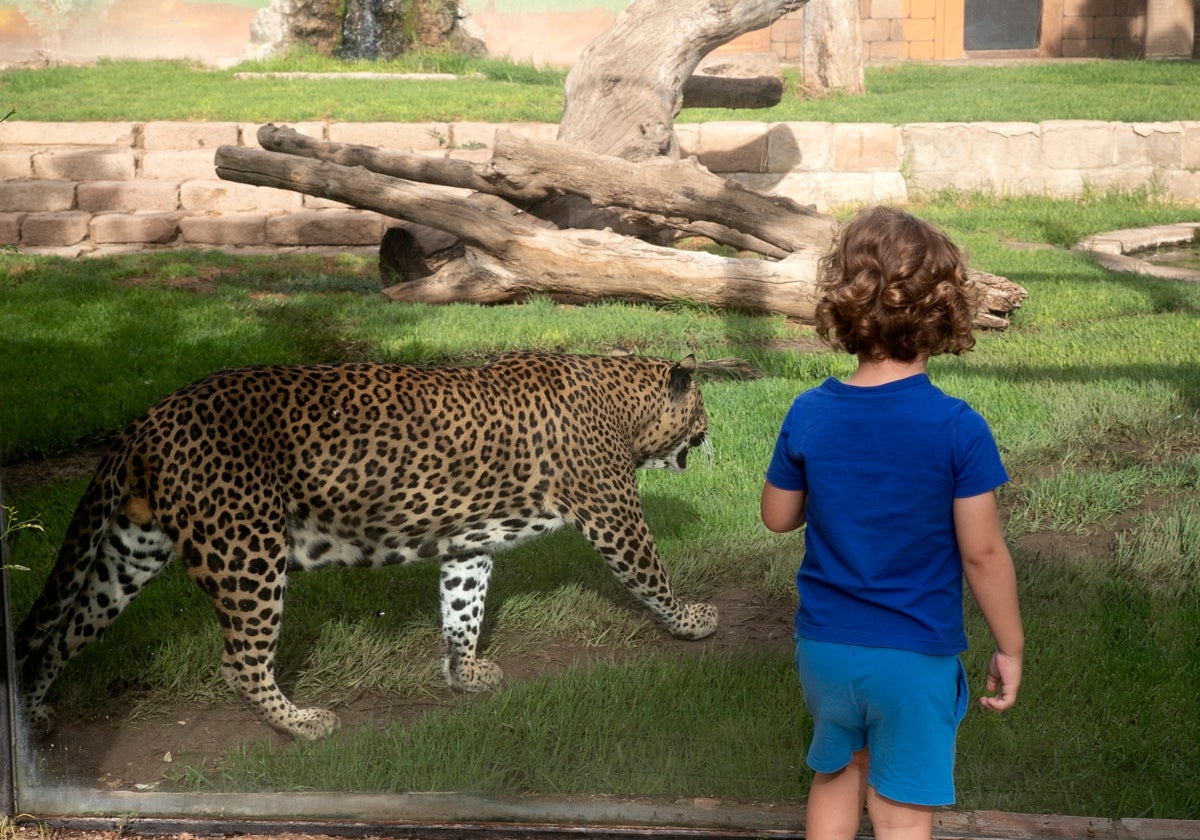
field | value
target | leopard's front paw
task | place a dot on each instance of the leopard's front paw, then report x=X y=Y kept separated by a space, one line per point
x=696 y=622
x=41 y=720
x=472 y=674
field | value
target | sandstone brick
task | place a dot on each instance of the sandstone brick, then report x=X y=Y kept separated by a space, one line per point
x=799 y=146
x=10 y=228
x=467 y=136
x=127 y=196
x=147 y=228
x=733 y=146
x=830 y=190
x=326 y=227
x=922 y=9
x=789 y=29
x=179 y=166
x=226 y=229
x=688 y=137
x=15 y=165
x=532 y=130
x=1123 y=179
x=248 y=132
x=227 y=196
x=46 y=229
x=85 y=165
x=1191 y=145
x=1002 y=158
x=790 y=51
x=1127 y=48
x=178 y=136
x=886 y=50
x=1065 y=183
x=36 y=196
x=887 y=8
x=876 y=30
x=402 y=137
x=1078 y=27
x=1078 y=144
x=312 y=202
x=1159 y=145
x=21 y=133
x=1184 y=185
x=1087 y=48
x=1112 y=27
x=865 y=147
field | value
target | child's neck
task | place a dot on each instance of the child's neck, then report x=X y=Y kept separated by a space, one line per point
x=872 y=371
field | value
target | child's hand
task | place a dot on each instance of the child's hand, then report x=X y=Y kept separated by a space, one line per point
x=1004 y=678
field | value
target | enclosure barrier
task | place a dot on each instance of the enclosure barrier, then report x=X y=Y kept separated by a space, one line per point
x=106 y=187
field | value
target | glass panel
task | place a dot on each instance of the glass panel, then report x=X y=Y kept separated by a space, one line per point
x=1001 y=24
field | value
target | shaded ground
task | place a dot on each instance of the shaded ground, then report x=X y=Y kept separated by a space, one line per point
x=140 y=754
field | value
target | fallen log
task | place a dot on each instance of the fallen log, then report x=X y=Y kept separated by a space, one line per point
x=509 y=254
x=523 y=170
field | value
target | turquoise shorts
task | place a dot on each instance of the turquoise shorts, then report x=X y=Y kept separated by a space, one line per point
x=905 y=706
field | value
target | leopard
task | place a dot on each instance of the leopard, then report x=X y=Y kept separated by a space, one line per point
x=251 y=473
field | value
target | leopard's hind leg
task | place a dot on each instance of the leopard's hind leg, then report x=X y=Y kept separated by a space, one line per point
x=464 y=585
x=99 y=571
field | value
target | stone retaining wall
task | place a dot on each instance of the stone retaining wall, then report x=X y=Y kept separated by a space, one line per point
x=78 y=188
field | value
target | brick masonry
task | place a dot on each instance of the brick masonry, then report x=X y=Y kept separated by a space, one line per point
x=79 y=188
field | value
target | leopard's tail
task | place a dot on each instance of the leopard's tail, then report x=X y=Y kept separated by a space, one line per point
x=111 y=549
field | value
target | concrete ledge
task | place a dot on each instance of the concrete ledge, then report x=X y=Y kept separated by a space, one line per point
x=1112 y=250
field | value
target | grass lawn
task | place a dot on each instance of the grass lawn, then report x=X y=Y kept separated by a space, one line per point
x=1126 y=91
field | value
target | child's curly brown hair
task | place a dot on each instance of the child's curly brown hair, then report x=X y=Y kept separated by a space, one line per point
x=895 y=287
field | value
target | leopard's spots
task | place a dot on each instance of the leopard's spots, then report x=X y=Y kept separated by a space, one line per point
x=250 y=473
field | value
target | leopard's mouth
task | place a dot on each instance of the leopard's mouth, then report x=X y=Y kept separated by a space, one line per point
x=699 y=441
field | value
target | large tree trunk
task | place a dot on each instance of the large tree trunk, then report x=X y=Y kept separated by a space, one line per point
x=584 y=217
x=623 y=95
x=832 y=48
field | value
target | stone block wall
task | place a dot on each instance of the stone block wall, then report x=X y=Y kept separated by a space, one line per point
x=1103 y=28
x=82 y=188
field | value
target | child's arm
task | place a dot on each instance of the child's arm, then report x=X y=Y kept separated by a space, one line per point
x=781 y=510
x=988 y=568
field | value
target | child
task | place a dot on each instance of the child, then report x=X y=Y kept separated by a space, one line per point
x=895 y=482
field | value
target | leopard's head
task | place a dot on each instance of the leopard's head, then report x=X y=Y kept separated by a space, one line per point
x=680 y=424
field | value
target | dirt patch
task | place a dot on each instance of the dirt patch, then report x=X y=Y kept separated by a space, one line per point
x=119 y=754
x=30 y=474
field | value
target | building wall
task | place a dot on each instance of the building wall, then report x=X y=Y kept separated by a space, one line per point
x=217 y=32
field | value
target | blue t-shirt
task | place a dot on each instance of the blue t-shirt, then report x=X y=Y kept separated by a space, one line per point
x=881 y=467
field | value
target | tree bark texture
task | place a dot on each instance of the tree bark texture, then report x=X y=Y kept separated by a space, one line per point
x=832 y=48
x=624 y=93
x=509 y=254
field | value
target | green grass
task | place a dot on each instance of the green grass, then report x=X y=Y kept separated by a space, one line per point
x=1128 y=91
x=1093 y=394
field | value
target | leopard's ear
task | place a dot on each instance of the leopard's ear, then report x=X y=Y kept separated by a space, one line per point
x=681 y=376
